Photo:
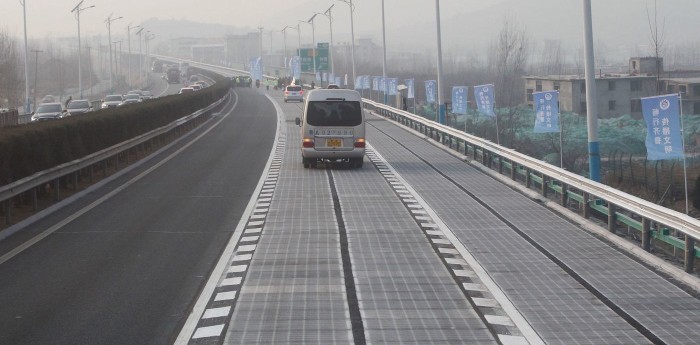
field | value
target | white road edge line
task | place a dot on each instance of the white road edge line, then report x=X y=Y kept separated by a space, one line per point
x=198 y=310
x=528 y=332
x=24 y=246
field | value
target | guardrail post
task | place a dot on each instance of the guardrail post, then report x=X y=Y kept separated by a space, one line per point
x=586 y=205
x=35 y=200
x=57 y=188
x=564 y=194
x=611 y=217
x=513 y=170
x=689 y=254
x=544 y=186
x=75 y=180
x=646 y=234
x=528 y=179
x=8 y=211
x=500 y=165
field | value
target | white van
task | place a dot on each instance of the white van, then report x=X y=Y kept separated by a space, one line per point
x=332 y=127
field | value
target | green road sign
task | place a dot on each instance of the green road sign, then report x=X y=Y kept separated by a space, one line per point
x=307 y=54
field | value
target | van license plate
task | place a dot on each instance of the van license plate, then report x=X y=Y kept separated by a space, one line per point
x=334 y=142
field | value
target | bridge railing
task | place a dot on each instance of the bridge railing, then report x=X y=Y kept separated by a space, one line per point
x=652 y=220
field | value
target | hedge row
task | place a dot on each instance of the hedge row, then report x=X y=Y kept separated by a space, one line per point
x=27 y=149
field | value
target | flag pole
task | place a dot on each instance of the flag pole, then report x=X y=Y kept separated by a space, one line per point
x=685 y=168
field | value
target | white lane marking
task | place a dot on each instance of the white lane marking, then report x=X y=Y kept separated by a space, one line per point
x=243 y=257
x=485 y=302
x=207 y=332
x=520 y=322
x=473 y=287
x=189 y=328
x=216 y=312
x=250 y=238
x=253 y=231
x=34 y=240
x=246 y=248
x=434 y=232
x=237 y=269
x=499 y=320
x=225 y=296
x=448 y=251
x=512 y=340
x=231 y=281
x=464 y=273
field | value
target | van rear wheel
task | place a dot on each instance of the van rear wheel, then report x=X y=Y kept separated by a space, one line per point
x=356 y=162
x=306 y=162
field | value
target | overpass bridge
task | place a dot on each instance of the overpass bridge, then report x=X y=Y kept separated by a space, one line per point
x=224 y=238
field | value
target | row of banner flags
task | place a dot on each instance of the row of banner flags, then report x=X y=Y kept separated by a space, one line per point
x=661 y=113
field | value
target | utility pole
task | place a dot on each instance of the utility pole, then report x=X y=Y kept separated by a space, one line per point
x=77 y=9
x=89 y=49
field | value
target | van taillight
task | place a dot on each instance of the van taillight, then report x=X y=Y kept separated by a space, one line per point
x=360 y=143
x=301 y=92
x=308 y=143
x=286 y=92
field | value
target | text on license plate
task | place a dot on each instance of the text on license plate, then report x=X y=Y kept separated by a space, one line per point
x=334 y=142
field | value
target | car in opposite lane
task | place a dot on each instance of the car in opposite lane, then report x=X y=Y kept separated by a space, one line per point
x=112 y=101
x=79 y=107
x=131 y=98
x=186 y=90
x=48 y=111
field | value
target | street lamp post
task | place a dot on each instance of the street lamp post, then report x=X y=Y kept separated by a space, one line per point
x=149 y=37
x=26 y=64
x=128 y=39
x=330 y=51
x=77 y=9
x=260 y=28
x=352 y=36
x=140 y=55
x=109 y=22
x=284 y=33
x=384 y=53
x=441 y=105
x=36 y=70
x=313 y=44
x=591 y=100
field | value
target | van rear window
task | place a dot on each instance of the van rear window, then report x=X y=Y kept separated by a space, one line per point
x=334 y=113
x=293 y=88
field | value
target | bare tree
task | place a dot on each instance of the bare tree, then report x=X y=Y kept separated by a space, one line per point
x=656 y=38
x=508 y=56
x=11 y=85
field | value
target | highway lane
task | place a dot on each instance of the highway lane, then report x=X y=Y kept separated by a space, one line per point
x=126 y=272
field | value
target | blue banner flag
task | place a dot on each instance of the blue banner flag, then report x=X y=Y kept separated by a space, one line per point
x=483 y=95
x=411 y=92
x=430 y=86
x=366 y=82
x=546 y=112
x=459 y=100
x=662 y=115
x=295 y=66
x=382 y=84
x=256 y=68
x=375 y=83
x=358 y=83
x=338 y=81
x=318 y=76
x=392 y=86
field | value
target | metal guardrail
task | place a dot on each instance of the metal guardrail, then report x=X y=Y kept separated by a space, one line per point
x=593 y=192
x=40 y=178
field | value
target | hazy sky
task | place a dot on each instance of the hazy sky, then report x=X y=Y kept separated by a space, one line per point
x=406 y=20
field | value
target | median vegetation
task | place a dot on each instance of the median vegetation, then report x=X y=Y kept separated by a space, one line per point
x=28 y=149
